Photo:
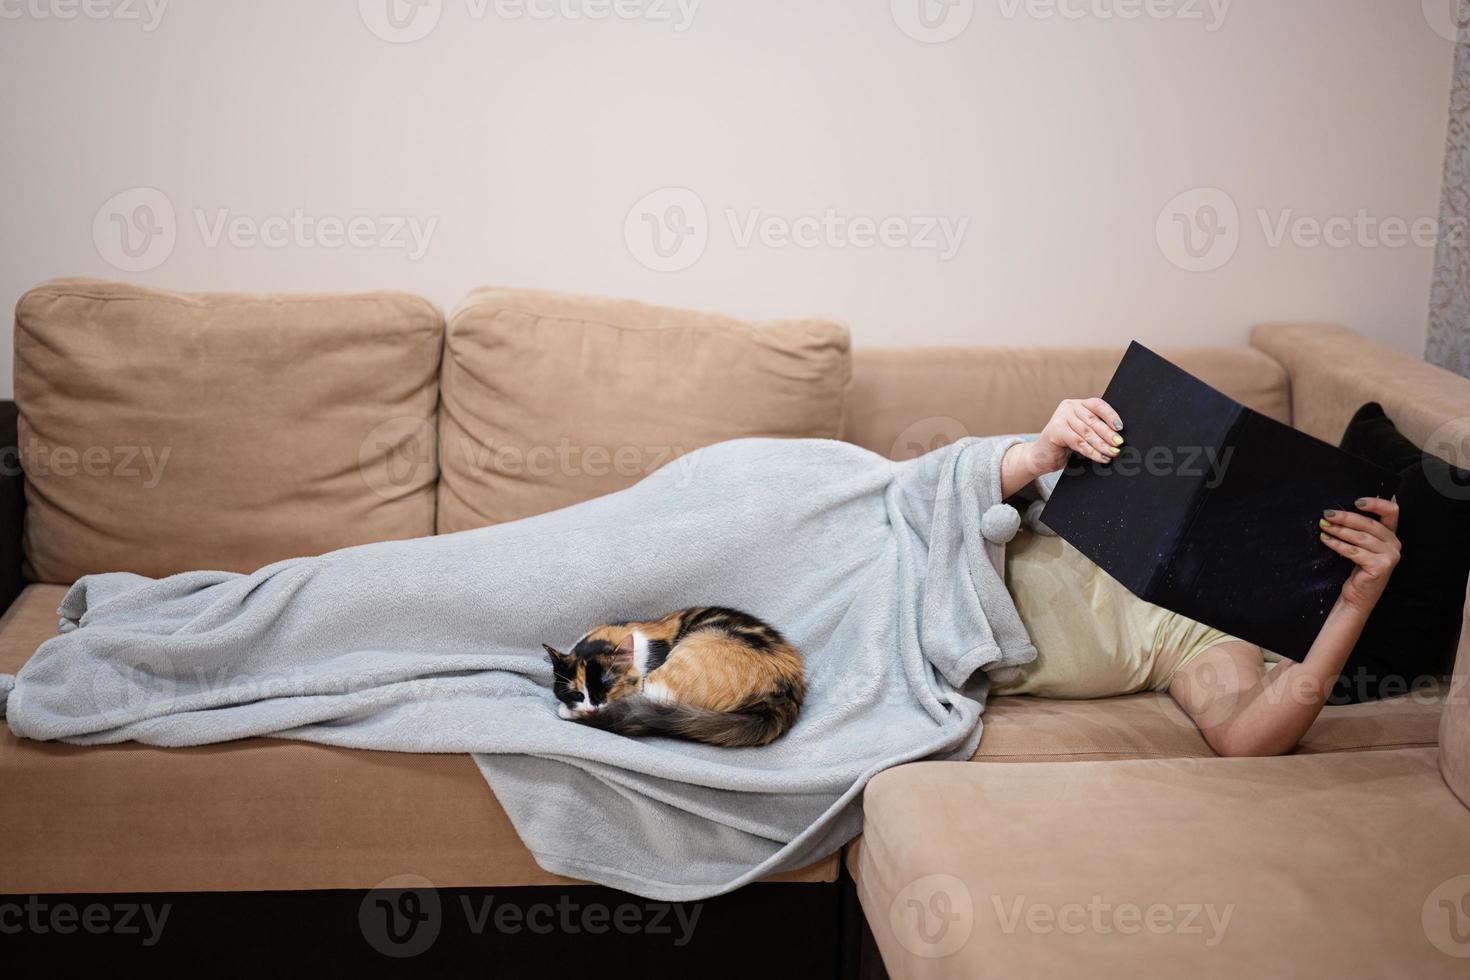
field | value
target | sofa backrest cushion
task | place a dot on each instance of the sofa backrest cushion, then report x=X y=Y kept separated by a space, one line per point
x=908 y=401
x=162 y=432
x=550 y=400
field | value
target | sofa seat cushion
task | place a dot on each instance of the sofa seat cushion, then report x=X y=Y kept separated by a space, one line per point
x=1020 y=728
x=1329 y=865
x=257 y=814
x=550 y=400
x=31 y=620
x=1409 y=721
x=163 y=432
x=1153 y=726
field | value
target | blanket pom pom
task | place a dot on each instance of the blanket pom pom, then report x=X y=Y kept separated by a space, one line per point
x=1000 y=523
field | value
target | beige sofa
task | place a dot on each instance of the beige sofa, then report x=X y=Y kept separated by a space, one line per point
x=298 y=424
x=1144 y=855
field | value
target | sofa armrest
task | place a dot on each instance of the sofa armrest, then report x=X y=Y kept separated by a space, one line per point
x=1334 y=371
x=12 y=506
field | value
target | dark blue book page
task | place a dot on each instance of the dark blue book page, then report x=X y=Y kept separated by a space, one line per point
x=1215 y=517
x=1127 y=516
x=1252 y=562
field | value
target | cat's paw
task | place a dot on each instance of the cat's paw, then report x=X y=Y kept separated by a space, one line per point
x=565 y=712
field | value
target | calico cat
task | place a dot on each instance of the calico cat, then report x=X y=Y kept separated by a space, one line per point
x=708 y=674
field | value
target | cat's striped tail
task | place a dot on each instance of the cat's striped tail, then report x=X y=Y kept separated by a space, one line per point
x=758 y=721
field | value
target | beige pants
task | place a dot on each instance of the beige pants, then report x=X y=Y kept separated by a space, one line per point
x=1094 y=638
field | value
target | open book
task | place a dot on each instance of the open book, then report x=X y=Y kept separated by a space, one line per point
x=1211 y=509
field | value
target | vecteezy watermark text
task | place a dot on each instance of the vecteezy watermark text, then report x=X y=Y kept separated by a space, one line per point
x=1210 y=462
x=1362 y=230
x=302 y=230
x=1100 y=917
x=137 y=230
x=937 y=21
x=1201 y=229
x=407 y=21
x=941 y=234
x=1209 y=13
x=935 y=916
x=567 y=917
x=148 y=14
x=404 y=452
x=404 y=915
x=38 y=460
x=572 y=460
x=42 y=915
x=669 y=229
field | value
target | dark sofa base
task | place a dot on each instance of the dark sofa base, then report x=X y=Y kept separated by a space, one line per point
x=12 y=506
x=764 y=931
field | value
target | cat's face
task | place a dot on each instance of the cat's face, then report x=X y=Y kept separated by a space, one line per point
x=594 y=673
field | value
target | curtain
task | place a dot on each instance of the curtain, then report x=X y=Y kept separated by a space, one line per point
x=1449 y=303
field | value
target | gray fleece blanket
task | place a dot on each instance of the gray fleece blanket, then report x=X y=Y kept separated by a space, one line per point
x=887 y=575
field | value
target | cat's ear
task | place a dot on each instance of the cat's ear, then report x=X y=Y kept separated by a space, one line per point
x=555 y=654
x=623 y=655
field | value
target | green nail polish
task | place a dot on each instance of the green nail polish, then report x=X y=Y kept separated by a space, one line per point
x=1360 y=503
x=1113 y=450
x=1117 y=440
x=1325 y=523
x=1324 y=538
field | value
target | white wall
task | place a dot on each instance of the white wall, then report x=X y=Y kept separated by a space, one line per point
x=527 y=142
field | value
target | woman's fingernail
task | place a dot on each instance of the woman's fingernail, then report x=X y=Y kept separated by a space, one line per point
x=1114 y=450
x=1325 y=523
x=1324 y=538
x=1330 y=513
x=1117 y=441
x=1360 y=503
x=1118 y=424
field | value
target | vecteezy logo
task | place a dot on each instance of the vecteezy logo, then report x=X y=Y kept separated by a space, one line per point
x=1444 y=17
x=1199 y=230
x=923 y=437
x=932 y=21
x=400 y=21
x=927 y=435
x=1446 y=917
x=400 y=916
x=398 y=456
x=1450 y=442
x=135 y=230
x=123 y=688
x=667 y=231
x=933 y=916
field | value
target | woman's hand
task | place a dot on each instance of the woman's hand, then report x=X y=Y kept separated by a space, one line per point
x=1372 y=545
x=1085 y=425
x=1242 y=709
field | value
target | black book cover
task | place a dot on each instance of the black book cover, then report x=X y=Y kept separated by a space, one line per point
x=1211 y=508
